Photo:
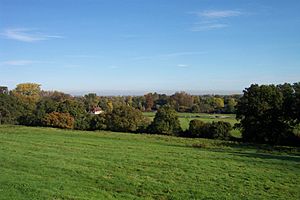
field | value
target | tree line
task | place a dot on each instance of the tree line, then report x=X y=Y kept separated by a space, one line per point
x=266 y=113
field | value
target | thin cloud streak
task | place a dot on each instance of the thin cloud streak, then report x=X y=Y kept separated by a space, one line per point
x=169 y=55
x=213 y=19
x=215 y=14
x=26 y=35
x=208 y=27
x=81 y=56
x=182 y=65
x=17 y=62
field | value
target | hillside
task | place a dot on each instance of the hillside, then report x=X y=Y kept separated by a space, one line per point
x=45 y=163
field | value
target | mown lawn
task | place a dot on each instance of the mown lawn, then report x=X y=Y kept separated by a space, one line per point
x=44 y=163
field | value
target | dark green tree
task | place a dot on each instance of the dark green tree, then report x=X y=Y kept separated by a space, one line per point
x=98 y=122
x=230 y=105
x=197 y=128
x=125 y=119
x=215 y=130
x=10 y=109
x=260 y=112
x=165 y=122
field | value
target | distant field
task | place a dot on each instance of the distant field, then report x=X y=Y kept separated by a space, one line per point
x=44 y=163
x=185 y=119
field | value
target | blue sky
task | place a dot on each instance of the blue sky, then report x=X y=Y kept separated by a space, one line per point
x=149 y=45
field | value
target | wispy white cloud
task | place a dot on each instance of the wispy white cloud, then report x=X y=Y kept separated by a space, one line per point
x=17 y=62
x=207 y=27
x=169 y=55
x=215 y=14
x=26 y=35
x=182 y=65
x=213 y=19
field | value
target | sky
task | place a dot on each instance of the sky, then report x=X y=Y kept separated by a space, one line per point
x=136 y=46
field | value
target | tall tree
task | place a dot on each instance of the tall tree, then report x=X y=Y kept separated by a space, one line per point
x=29 y=93
x=149 y=101
x=260 y=114
x=165 y=122
x=182 y=101
x=125 y=118
x=91 y=101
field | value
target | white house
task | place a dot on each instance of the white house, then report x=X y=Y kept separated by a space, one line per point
x=96 y=111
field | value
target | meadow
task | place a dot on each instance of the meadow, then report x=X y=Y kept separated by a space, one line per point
x=47 y=163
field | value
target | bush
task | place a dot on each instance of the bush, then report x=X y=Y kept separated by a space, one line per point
x=220 y=130
x=98 y=122
x=214 y=130
x=58 y=120
x=83 y=122
x=125 y=119
x=10 y=109
x=165 y=122
x=197 y=128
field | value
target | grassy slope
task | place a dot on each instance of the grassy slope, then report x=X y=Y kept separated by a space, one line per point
x=42 y=163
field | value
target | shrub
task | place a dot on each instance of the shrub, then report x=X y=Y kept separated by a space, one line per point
x=125 y=118
x=220 y=130
x=58 y=120
x=82 y=122
x=197 y=128
x=214 y=130
x=98 y=122
x=10 y=109
x=165 y=122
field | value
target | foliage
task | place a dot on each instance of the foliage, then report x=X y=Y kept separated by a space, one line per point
x=28 y=93
x=44 y=106
x=218 y=102
x=219 y=130
x=266 y=113
x=215 y=130
x=91 y=101
x=165 y=122
x=182 y=101
x=98 y=122
x=230 y=105
x=72 y=106
x=125 y=118
x=149 y=102
x=197 y=128
x=58 y=120
x=10 y=109
x=83 y=122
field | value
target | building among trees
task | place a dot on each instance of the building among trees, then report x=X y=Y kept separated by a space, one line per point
x=96 y=111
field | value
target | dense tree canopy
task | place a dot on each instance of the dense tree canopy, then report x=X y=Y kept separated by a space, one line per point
x=267 y=113
x=28 y=93
x=125 y=118
x=165 y=122
x=10 y=109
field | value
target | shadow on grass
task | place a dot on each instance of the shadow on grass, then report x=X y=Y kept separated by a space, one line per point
x=263 y=151
x=265 y=148
x=267 y=156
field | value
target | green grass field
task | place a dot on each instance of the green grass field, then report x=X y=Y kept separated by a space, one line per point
x=185 y=119
x=44 y=163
